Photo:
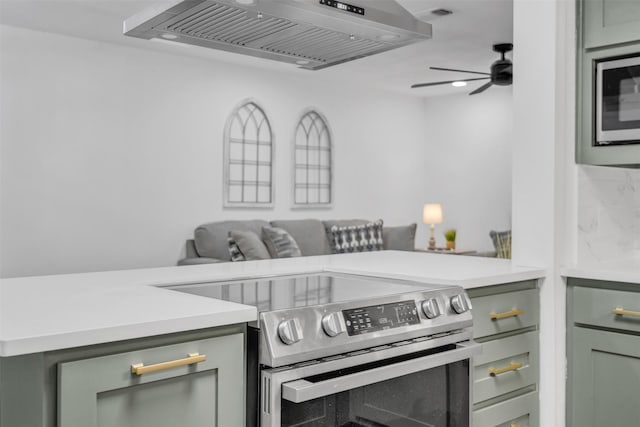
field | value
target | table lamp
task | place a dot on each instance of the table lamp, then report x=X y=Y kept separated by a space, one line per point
x=432 y=215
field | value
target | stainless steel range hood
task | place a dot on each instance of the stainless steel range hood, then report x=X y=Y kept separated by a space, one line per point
x=313 y=34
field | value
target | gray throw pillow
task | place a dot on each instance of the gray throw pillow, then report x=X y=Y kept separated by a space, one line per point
x=249 y=244
x=401 y=238
x=280 y=243
x=357 y=238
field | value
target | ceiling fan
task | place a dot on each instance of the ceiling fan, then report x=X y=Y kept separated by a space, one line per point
x=501 y=72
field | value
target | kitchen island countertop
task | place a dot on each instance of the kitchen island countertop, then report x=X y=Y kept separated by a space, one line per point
x=45 y=313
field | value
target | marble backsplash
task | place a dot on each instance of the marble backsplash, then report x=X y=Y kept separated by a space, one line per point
x=608 y=214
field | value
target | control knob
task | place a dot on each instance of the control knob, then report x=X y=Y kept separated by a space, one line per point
x=290 y=331
x=431 y=308
x=333 y=324
x=460 y=304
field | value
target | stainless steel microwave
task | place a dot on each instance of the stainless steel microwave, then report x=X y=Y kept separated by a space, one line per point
x=617 y=101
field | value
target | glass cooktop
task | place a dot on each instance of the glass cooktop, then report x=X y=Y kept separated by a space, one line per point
x=301 y=291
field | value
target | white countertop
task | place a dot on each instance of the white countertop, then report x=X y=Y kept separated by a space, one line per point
x=54 y=312
x=625 y=270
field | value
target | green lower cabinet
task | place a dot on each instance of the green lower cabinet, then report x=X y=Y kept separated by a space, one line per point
x=104 y=392
x=521 y=411
x=505 y=374
x=95 y=386
x=605 y=379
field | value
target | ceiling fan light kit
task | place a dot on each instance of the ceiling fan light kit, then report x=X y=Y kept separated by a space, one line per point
x=501 y=72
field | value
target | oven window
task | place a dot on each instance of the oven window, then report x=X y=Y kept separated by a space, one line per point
x=437 y=397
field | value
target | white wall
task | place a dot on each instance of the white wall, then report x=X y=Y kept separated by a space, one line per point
x=468 y=163
x=544 y=175
x=111 y=156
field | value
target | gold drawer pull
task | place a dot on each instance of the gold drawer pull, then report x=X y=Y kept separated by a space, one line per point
x=515 y=425
x=140 y=369
x=513 y=313
x=513 y=366
x=622 y=312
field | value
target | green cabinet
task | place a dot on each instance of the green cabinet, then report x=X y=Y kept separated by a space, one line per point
x=606 y=29
x=610 y=22
x=603 y=349
x=606 y=379
x=197 y=384
x=187 y=379
x=505 y=374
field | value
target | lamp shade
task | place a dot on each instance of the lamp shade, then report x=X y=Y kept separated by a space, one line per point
x=432 y=213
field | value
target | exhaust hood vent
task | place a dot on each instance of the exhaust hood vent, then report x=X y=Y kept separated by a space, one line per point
x=314 y=33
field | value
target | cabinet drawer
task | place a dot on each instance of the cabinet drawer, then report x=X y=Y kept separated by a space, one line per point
x=522 y=304
x=521 y=411
x=592 y=306
x=518 y=353
x=104 y=391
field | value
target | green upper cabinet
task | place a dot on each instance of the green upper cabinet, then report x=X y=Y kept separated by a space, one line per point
x=610 y=22
x=607 y=29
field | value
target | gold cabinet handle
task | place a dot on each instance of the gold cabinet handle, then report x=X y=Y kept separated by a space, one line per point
x=512 y=313
x=513 y=366
x=515 y=425
x=622 y=312
x=140 y=369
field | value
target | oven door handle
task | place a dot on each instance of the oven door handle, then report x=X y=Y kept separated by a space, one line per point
x=302 y=390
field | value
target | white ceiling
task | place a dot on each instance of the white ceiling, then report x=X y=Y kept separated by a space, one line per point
x=462 y=40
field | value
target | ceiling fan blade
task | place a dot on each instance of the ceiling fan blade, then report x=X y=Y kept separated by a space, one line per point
x=444 y=83
x=459 y=71
x=482 y=88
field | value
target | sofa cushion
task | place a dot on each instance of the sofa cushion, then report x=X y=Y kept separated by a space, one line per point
x=211 y=238
x=309 y=235
x=198 y=261
x=401 y=238
x=249 y=244
x=280 y=243
x=358 y=238
x=328 y=224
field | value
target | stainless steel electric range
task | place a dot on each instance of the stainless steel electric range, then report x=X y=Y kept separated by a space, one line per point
x=343 y=350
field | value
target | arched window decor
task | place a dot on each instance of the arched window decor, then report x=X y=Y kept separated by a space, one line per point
x=248 y=171
x=313 y=162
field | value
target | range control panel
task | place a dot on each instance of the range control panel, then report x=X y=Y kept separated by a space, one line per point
x=379 y=317
x=343 y=6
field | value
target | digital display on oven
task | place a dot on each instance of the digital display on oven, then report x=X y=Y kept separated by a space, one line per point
x=379 y=317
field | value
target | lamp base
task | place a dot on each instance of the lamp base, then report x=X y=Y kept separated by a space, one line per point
x=432 y=238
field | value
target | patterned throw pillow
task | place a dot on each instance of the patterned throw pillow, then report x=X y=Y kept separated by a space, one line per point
x=280 y=243
x=234 y=250
x=502 y=243
x=357 y=238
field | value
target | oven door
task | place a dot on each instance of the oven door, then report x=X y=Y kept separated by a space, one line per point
x=618 y=101
x=391 y=387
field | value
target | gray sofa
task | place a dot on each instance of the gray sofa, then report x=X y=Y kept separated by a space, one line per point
x=312 y=236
